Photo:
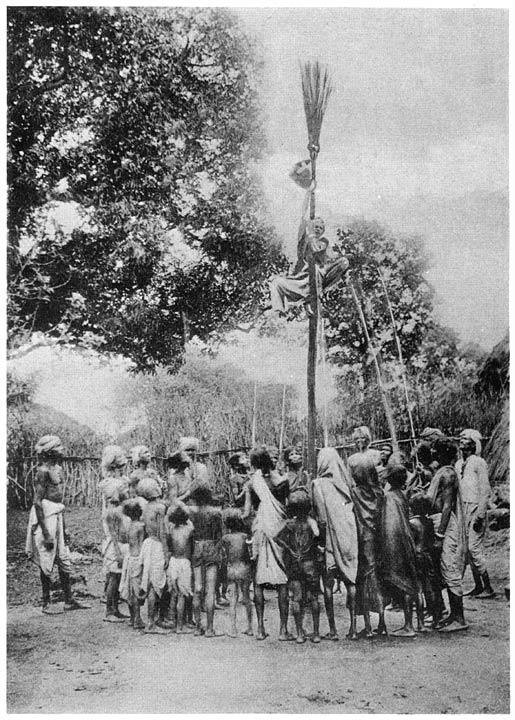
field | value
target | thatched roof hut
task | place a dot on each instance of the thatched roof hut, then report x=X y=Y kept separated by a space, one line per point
x=494 y=379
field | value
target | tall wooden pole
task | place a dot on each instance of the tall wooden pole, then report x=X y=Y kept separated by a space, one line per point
x=254 y=415
x=312 y=337
x=283 y=420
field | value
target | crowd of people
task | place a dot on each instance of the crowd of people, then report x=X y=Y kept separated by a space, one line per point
x=396 y=530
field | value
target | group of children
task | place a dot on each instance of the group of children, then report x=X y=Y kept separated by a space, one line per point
x=391 y=529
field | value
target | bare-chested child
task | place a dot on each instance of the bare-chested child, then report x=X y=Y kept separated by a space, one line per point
x=154 y=556
x=299 y=540
x=207 y=521
x=46 y=536
x=235 y=547
x=179 y=573
x=130 y=582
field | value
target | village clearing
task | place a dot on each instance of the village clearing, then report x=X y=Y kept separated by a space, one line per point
x=75 y=663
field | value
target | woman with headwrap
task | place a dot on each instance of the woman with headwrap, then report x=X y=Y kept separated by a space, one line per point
x=475 y=492
x=267 y=554
x=367 y=496
x=46 y=542
x=332 y=502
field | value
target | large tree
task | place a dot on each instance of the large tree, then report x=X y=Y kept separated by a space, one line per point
x=145 y=122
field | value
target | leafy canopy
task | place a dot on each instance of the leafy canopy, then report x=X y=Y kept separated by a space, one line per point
x=147 y=121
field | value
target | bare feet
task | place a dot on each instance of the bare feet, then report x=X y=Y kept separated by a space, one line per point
x=352 y=635
x=423 y=629
x=138 y=625
x=331 y=636
x=156 y=630
x=381 y=630
x=112 y=619
x=248 y=631
x=52 y=610
x=286 y=637
x=165 y=625
x=184 y=631
x=316 y=639
x=261 y=635
x=454 y=626
x=300 y=639
x=199 y=631
x=404 y=632
x=209 y=633
x=76 y=605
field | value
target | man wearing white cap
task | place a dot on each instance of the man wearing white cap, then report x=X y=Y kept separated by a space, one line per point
x=475 y=492
x=46 y=537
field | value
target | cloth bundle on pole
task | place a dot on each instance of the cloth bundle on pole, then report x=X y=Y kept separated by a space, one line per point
x=316 y=90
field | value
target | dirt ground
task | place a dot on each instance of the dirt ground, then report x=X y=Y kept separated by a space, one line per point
x=75 y=663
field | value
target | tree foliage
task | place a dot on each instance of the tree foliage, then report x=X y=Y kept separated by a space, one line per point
x=146 y=120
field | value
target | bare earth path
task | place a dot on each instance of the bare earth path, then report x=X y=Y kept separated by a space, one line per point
x=76 y=663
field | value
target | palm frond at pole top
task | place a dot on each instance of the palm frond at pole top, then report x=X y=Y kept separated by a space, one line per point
x=316 y=91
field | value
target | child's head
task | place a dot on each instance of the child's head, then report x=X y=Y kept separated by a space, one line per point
x=132 y=509
x=261 y=459
x=445 y=451
x=233 y=520
x=178 y=460
x=201 y=494
x=299 y=504
x=148 y=489
x=396 y=475
x=420 y=504
x=177 y=514
x=293 y=456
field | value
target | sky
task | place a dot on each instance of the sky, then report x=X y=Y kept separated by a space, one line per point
x=415 y=137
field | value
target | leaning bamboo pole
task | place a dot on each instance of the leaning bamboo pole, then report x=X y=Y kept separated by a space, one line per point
x=316 y=89
x=399 y=352
x=380 y=383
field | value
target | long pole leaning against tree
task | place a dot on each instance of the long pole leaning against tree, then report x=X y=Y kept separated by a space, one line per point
x=373 y=353
x=316 y=89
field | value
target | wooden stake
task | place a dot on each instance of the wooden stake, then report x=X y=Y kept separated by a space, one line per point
x=312 y=341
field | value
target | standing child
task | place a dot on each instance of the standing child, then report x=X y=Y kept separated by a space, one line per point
x=428 y=570
x=179 y=574
x=130 y=582
x=239 y=576
x=299 y=540
x=154 y=556
x=207 y=521
x=398 y=560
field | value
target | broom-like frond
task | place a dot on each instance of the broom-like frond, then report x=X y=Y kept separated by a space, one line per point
x=316 y=90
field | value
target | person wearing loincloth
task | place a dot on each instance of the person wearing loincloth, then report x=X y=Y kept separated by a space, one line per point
x=208 y=530
x=299 y=539
x=115 y=489
x=179 y=573
x=446 y=507
x=154 y=558
x=46 y=543
x=130 y=582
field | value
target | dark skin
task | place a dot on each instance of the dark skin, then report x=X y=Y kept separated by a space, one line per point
x=49 y=486
x=445 y=502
